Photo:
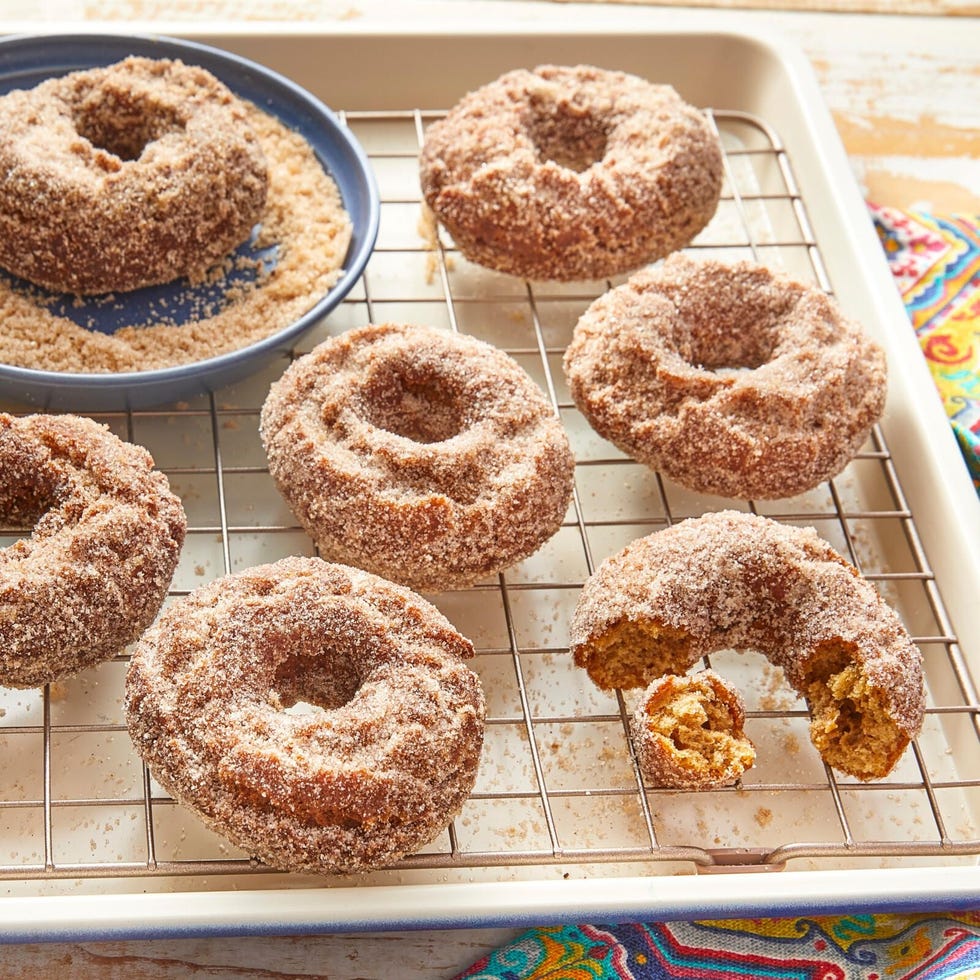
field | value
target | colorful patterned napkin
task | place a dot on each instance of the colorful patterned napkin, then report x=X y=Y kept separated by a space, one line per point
x=852 y=947
x=936 y=264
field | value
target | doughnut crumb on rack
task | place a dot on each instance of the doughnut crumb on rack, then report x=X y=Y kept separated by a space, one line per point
x=689 y=732
x=571 y=172
x=732 y=580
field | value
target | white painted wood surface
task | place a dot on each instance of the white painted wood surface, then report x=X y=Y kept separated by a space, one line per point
x=905 y=94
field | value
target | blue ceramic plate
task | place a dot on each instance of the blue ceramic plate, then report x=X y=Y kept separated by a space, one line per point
x=26 y=61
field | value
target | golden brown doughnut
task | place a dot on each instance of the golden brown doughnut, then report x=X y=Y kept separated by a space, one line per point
x=739 y=581
x=428 y=457
x=571 y=172
x=688 y=732
x=729 y=379
x=107 y=535
x=126 y=176
x=385 y=759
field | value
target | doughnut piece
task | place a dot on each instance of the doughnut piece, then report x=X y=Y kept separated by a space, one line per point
x=739 y=581
x=688 y=732
x=384 y=758
x=126 y=176
x=571 y=173
x=729 y=379
x=107 y=535
x=427 y=457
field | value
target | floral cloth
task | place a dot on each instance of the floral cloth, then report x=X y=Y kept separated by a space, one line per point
x=936 y=264
x=851 y=947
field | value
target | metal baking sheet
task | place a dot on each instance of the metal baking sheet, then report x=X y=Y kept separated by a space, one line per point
x=560 y=823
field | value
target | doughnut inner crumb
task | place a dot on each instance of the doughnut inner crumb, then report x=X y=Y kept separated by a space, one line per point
x=850 y=721
x=694 y=723
x=631 y=653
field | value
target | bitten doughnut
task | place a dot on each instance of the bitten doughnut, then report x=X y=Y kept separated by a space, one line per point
x=688 y=732
x=427 y=457
x=729 y=379
x=126 y=176
x=571 y=172
x=107 y=535
x=735 y=580
x=379 y=765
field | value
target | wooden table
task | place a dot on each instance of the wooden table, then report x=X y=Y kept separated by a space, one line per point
x=905 y=94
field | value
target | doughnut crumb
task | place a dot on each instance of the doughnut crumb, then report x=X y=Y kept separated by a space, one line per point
x=688 y=732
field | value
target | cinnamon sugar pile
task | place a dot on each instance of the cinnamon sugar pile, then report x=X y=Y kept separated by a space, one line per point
x=304 y=217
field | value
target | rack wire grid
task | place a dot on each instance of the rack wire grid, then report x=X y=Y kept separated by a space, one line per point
x=558 y=784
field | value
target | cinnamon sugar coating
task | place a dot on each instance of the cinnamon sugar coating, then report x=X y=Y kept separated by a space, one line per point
x=428 y=457
x=384 y=759
x=126 y=176
x=106 y=537
x=739 y=581
x=688 y=732
x=571 y=172
x=730 y=379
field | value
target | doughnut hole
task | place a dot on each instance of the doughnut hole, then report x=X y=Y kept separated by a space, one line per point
x=689 y=732
x=123 y=124
x=568 y=135
x=725 y=343
x=413 y=403
x=24 y=502
x=850 y=724
x=632 y=653
x=305 y=683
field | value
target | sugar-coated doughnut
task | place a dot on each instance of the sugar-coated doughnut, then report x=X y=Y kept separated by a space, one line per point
x=728 y=378
x=379 y=765
x=125 y=176
x=739 y=581
x=688 y=732
x=428 y=457
x=571 y=172
x=106 y=537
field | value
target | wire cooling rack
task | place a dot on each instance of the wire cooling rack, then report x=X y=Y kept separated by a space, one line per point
x=558 y=786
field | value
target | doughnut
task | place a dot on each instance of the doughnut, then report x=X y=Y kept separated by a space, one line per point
x=106 y=537
x=688 y=732
x=732 y=580
x=382 y=759
x=729 y=379
x=424 y=456
x=567 y=173
x=126 y=176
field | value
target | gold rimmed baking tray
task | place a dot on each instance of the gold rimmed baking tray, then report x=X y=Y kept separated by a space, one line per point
x=560 y=825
